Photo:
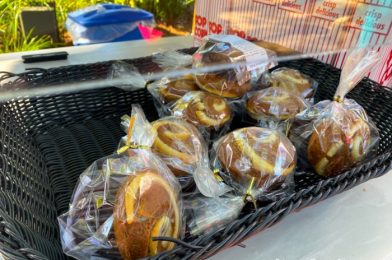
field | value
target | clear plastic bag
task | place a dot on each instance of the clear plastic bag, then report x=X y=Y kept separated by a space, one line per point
x=291 y=80
x=333 y=136
x=204 y=110
x=206 y=215
x=167 y=91
x=122 y=201
x=126 y=76
x=254 y=160
x=178 y=143
x=172 y=60
x=273 y=108
x=249 y=62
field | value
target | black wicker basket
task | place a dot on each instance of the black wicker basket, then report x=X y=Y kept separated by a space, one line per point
x=47 y=142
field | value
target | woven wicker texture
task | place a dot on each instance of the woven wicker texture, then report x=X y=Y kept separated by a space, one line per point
x=47 y=142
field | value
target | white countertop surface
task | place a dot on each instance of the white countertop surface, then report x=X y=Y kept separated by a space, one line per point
x=356 y=224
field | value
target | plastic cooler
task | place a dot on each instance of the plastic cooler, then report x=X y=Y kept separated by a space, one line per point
x=107 y=23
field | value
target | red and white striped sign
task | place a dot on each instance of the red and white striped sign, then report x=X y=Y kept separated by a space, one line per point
x=309 y=26
x=210 y=18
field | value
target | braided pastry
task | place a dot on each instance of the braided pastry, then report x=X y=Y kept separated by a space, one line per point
x=179 y=144
x=275 y=102
x=257 y=152
x=337 y=143
x=146 y=207
x=292 y=80
x=205 y=109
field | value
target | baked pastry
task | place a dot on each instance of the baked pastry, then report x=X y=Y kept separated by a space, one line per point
x=222 y=84
x=338 y=142
x=256 y=152
x=292 y=80
x=205 y=109
x=179 y=144
x=173 y=89
x=274 y=102
x=230 y=83
x=146 y=207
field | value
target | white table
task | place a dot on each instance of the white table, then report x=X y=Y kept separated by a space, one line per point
x=352 y=225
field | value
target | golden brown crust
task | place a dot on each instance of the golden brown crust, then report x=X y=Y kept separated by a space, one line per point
x=222 y=86
x=223 y=83
x=256 y=152
x=178 y=140
x=207 y=110
x=176 y=88
x=142 y=202
x=338 y=143
x=292 y=80
x=274 y=102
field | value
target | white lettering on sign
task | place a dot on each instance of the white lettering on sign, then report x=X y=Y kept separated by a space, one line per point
x=297 y=6
x=329 y=9
x=268 y=2
x=372 y=18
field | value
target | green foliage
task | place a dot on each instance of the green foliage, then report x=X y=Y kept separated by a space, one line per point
x=12 y=38
x=172 y=12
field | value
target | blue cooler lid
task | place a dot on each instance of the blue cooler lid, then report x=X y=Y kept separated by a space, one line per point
x=103 y=14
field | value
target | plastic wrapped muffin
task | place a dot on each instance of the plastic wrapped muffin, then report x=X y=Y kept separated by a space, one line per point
x=173 y=89
x=123 y=201
x=167 y=91
x=204 y=110
x=255 y=162
x=261 y=156
x=180 y=145
x=291 y=80
x=146 y=206
x=272 y=107
x=245 y=62
x=333 y=136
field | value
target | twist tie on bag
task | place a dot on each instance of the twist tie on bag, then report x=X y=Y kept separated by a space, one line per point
x=216 y=175
x=140 y=134
x=288 y=126
x=128 y=144
x=248 y=194
x=98 y=201
x=357 y=65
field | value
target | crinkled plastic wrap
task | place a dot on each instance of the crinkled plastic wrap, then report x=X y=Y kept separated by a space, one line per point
x=248 y=62
x=291 y=80
x=180 y=145
x=255 y=158
x=333 y=136
x=205 y=110
x=168 y=90
x=205 y=215
x=122 y=201
x=169 y=60
x=273 y=108
x=256 y=162
x=126 y=76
